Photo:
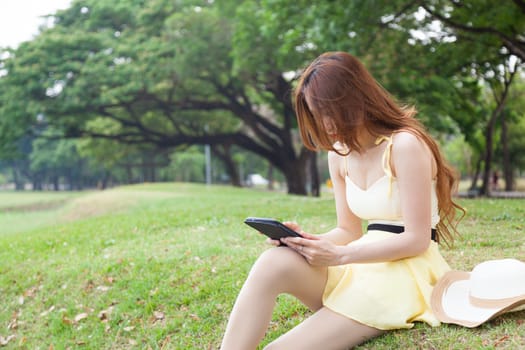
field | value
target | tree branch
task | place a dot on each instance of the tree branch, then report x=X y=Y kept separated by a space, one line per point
x=261 y=126
x=520 y=4
x=148 y=134
x=514 y=45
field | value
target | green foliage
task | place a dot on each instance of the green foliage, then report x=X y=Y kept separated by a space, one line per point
x=517 y=143
x=188 y=166
x=50 y=158
x=515 y=117
x=94 y=63
x=159 y=72
x=459 y=154
x=482 y=23
x=177 y=73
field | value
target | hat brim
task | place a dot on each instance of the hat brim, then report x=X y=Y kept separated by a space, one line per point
x=451 y=304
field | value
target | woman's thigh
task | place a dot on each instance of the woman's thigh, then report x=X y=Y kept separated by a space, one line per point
x=325 y=330
x=285 y=271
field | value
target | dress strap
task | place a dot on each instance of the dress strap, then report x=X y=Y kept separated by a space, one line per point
x=386 y=160
x=345 y=161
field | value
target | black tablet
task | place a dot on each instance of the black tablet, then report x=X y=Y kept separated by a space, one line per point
x=271 y=228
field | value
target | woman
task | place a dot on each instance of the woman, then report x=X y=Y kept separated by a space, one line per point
x=385 y=169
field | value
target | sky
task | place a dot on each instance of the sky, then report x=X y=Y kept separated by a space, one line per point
x=20 y=19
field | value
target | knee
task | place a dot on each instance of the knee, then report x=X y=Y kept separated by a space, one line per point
x=276 y=264
x=271 y=346
x=276 y=345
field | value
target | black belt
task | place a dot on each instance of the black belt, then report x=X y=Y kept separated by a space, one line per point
x=396 y=229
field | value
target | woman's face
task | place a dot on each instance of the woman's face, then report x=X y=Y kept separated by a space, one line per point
x=327 y=121
x=330 y=128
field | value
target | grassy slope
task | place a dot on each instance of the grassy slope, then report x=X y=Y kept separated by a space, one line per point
x=159 y=266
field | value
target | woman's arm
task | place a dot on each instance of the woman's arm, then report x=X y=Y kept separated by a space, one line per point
x=413 y=165
x=348 y=226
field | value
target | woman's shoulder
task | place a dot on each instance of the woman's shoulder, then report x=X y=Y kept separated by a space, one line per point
x=339 y=151
x=336 y=159
x=340 y=148
x=407 y=140
x=334 y=156
x=412 y=148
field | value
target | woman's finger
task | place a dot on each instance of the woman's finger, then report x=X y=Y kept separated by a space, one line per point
x=310 y=236
x=273 y=242
x=296 y=241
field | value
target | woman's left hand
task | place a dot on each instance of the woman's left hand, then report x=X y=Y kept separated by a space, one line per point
x=317 y=251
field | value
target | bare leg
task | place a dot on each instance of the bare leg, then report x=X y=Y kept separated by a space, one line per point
x=278 y=270
x=325 y=330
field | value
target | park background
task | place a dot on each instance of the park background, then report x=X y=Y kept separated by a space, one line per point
x=119 y=95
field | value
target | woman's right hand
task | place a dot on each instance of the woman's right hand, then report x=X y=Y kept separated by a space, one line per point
x=293 y=225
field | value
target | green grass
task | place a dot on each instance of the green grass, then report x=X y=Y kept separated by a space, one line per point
x=24 y=211
x=158 y=266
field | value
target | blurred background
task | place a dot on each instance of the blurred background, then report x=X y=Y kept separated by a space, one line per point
x=117 y=92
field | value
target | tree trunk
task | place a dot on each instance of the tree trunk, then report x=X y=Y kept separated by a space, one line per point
x=270 y=177
x=103 y=183
x=19 y=183
x=129 y=173
x=475 y=177
x=507 y=166
x=489 y=132
x=37 y=183
x=295 y=174
x=296 y=183
x=223 y=152
x=302 y=174
x=489 y=137
x=148 y=168
x=315 y=186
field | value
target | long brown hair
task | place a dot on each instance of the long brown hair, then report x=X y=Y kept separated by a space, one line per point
x=338 y=84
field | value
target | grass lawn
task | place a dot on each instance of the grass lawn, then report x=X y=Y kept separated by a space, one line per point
x=158 y=266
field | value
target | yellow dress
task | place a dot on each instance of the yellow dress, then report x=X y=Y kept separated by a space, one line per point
x=387 y=295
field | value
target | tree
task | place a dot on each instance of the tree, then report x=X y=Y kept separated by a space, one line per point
x=478 y=39
x=510 y=150
x=170 y=74
x=136 y=66
x=188 y=166
x=53 y=160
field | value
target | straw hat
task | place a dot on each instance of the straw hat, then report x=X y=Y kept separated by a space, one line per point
x=471 y=298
